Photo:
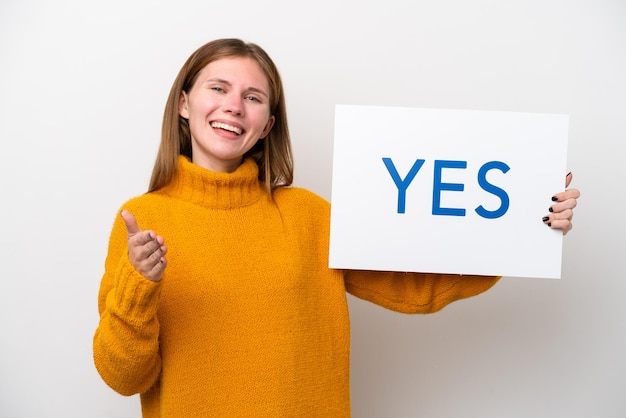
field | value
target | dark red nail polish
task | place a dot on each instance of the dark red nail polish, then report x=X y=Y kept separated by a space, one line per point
x=551 y=210
x=545 y=218
x=554 y=198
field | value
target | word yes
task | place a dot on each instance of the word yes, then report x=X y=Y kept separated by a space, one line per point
x=438 y=186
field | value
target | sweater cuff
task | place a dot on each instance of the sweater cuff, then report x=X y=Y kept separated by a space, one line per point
x=133 y=297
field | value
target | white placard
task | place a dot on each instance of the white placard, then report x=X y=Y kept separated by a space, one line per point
x=446 y=191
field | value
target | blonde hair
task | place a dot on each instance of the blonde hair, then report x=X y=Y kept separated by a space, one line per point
x=272 y=154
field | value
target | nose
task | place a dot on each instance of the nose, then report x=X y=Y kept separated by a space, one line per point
x=233 y=105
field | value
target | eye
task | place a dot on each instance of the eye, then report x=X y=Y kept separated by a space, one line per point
x=217 y=89
x=253 y=99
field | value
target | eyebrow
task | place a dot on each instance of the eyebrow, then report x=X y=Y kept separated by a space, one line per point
x=228 y=83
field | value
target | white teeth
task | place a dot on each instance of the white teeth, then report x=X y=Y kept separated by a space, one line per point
x=221 y=125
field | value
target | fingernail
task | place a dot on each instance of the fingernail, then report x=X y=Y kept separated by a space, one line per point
x=554 y=198
x=551 y=210
x=549 y=223
x=568 y=174
x=545 y=218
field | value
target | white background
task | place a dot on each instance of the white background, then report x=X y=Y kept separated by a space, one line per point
x=82 y=88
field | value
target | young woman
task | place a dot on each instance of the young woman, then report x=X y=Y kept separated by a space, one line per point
x=216 y=298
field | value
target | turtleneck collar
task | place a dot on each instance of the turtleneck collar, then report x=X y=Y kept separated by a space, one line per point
x=215 y=190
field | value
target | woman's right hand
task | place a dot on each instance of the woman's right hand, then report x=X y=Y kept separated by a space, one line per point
x=146 y=250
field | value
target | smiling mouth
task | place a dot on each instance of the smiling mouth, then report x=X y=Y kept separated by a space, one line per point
x=226 y=127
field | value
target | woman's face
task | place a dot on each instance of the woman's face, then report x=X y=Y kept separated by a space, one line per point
x=228 y=111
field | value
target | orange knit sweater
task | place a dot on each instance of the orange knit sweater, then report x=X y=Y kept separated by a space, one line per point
x=248 y=320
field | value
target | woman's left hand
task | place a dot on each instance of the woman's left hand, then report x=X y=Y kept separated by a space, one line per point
x=562 y=211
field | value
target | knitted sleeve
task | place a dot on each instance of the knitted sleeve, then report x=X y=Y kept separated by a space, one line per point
x=414 y=292
x=126 y=342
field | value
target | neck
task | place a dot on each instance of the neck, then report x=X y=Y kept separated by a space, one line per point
x=218 y=166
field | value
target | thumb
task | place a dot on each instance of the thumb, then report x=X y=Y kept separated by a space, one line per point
x=568 y=178
x=131 y=223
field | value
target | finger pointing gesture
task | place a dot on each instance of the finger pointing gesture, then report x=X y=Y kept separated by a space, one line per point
x=146 y=250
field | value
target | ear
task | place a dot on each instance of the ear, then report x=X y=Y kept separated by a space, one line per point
x=268 y=126
x=183 y=108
